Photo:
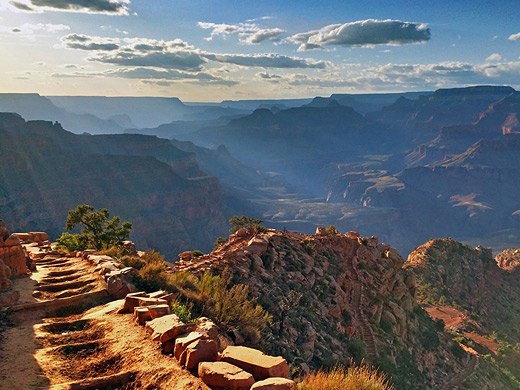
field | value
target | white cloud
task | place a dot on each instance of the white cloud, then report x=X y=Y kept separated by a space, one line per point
x=494 y=57
x=363 y=33
x=514 y=37
x=248 y=33
x=31 y=29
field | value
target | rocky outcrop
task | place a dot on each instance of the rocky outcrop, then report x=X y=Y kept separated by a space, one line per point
x=12 y=254
x=334 y=297
x=508 y=259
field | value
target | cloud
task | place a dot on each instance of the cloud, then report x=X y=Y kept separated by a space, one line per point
x=363 y=33
x=175 y=54
x=86 y=42
x=153 y=76
x=269 y=60
x=31 y=29
x=110 y=7
x=494 y=57
x=514 y=37
x=248 y=33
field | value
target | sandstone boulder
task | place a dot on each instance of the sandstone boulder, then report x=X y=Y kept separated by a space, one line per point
x=184 y=256
x=208 y=328
x=168 y=327
x=141 y=315
x=241 y=232
x=146 y=301
x=200 y=351
x=225 y=375
x=275 y=384
x=157 y=311
x=256 y=362
x=131 y=302
x=183 y=341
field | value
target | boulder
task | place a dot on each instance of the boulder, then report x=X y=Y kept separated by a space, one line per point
x=208 y=328
x=241 y=232
x=157 y=311
x=320 y=231
x=225 y=375
x=131 y=301
x=168 y=327
x=256 y=362
x=275 y=384
x=200 y=351
x=183 y=341
x=141 y=315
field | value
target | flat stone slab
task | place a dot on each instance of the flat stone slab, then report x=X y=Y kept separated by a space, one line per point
x=225 y=375
x=168 y=327
x=157 y=311
x=131 y=302
x=275 y=384
x=256 y=362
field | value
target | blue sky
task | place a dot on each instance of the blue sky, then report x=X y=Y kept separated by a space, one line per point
x=214 y=50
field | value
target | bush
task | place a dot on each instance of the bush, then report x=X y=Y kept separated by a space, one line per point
x=331 y=230
x=197 y=253
x=114 y=251
x=244 y=222
x=219 y=242
x=183 y=311
x=71 y=242
x=339 y=378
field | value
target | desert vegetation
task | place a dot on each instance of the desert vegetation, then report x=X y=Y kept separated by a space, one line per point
x=97 y=230
x=361 y=377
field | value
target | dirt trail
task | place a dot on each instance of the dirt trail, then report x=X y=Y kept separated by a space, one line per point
x=366 y=331
x=470 y=367
x=56 y=347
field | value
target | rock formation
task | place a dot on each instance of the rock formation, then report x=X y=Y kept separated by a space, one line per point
x=334 y=297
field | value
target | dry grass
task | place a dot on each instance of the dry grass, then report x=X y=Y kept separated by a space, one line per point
x=353 y=378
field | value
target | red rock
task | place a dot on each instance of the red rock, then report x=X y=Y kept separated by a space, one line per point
x=168 y=327
x=275 y=384
x=157 y=311
x=256 y=362
x=145 y=301
x=131 y=301
x=241 y=232
x=225 y=375
x=200 y=351
x=320 y=231
x=183 y=341
x=141 y=315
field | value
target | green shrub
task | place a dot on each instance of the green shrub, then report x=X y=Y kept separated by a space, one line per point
x=183 y=311
x=115 y=252
x=197 y=253
x=133 y=261
x=71 y=242
x=244 y=222
x=331 y=230
x=219 y=242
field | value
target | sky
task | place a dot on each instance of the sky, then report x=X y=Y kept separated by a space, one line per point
x=204 y=50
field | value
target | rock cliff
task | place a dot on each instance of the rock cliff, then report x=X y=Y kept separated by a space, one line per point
x=334 y=297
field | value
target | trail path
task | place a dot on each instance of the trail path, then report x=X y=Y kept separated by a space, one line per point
x=366 y=331
x=55 y=344
x=470 y=367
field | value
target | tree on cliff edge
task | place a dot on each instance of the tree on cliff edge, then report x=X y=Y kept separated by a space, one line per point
x=97 y=230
